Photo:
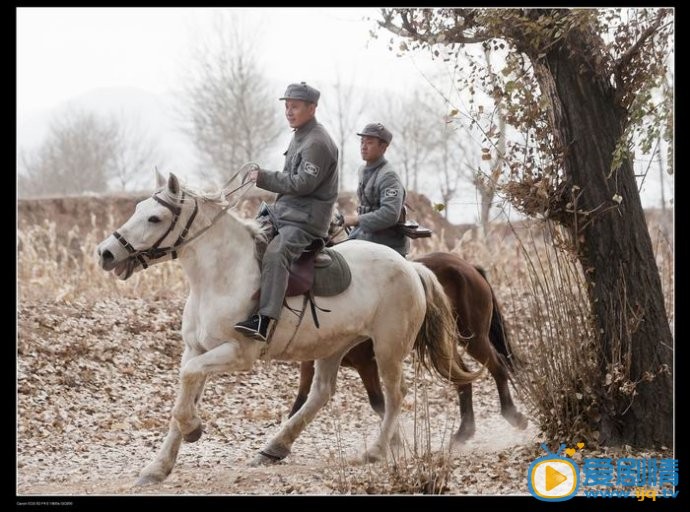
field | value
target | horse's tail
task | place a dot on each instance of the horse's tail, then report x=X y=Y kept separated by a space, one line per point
x=497 y=332
x=436 y=339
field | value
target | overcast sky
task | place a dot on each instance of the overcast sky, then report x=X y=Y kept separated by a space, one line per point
x=63 y=53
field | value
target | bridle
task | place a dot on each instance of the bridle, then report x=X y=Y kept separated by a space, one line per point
x=156 y=252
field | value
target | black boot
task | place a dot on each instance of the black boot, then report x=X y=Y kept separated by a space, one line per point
x=255 y=327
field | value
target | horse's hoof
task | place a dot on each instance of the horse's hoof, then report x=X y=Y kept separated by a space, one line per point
x=194 y=435
x=372 y=455
x=148 y=480
x=462 y=436
x=521 y=422
x=518 y=420
x=263 y=459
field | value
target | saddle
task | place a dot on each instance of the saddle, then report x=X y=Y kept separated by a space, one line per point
x=318 y=271
x=322 y=271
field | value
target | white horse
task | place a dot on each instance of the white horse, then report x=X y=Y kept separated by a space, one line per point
x=396 y=303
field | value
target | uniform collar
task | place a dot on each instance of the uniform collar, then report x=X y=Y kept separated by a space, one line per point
x=303 y=130
x=377 y=163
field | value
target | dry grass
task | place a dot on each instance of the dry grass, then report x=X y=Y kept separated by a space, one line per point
x=53 y=268
x=421 y=468
x=422 y=463
x=560 y=379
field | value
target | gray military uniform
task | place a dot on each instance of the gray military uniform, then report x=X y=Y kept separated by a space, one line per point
x=381 y=197
x=307 y=191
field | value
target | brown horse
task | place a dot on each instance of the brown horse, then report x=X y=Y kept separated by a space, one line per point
x=480 y=325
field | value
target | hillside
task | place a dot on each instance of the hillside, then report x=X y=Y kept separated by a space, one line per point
x=105 y=213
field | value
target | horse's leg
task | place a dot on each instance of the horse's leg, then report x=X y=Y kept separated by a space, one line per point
x=361 y=358
x=306 y=375
x=481 y=349
x=322 y=388
x=493 y=347
x=390 y=370
x=467 y=425
x=227 y=357
x=508 y=409
x=163 y=463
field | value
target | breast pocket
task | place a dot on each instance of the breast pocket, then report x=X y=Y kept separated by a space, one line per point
x=296 y=161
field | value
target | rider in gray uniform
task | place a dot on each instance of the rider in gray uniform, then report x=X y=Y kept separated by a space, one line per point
x=380 y=193
x=307 y=191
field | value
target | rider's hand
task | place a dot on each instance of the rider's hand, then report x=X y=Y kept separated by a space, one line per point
x=250 y=172
x=351 y=220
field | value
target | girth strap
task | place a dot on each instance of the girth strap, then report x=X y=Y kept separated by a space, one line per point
x=309 y=296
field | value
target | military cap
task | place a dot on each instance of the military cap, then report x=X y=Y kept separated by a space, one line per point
x=377 y=130
x=301 y=91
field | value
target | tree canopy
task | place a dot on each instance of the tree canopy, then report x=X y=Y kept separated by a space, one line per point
x=628 y=51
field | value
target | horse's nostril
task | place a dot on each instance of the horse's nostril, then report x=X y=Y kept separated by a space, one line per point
x=107 y=255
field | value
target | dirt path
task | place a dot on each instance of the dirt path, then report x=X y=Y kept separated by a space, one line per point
x=97 y=382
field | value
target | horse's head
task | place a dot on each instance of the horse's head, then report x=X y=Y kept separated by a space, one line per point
x=152 y=233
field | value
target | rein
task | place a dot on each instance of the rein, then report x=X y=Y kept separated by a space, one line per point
x=340 y=222
x=155 y=252
x=347 y=230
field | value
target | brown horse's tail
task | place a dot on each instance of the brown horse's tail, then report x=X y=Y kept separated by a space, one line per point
x=436 y=340
x=497 y=333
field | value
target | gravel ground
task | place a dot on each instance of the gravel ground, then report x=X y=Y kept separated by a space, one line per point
x=97 y=381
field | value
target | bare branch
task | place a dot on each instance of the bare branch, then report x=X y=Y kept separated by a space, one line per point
x=635 y=48
x=232 y=114
x=407 y=29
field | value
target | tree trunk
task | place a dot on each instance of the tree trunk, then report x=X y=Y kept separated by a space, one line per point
x=615 y=250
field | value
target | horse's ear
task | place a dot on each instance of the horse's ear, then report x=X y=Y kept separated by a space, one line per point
x=160 y=180
x=173 y=185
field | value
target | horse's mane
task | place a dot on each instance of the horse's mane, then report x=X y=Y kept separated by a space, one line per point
x=214 y=195
x=217 y=196
x=257 y=231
